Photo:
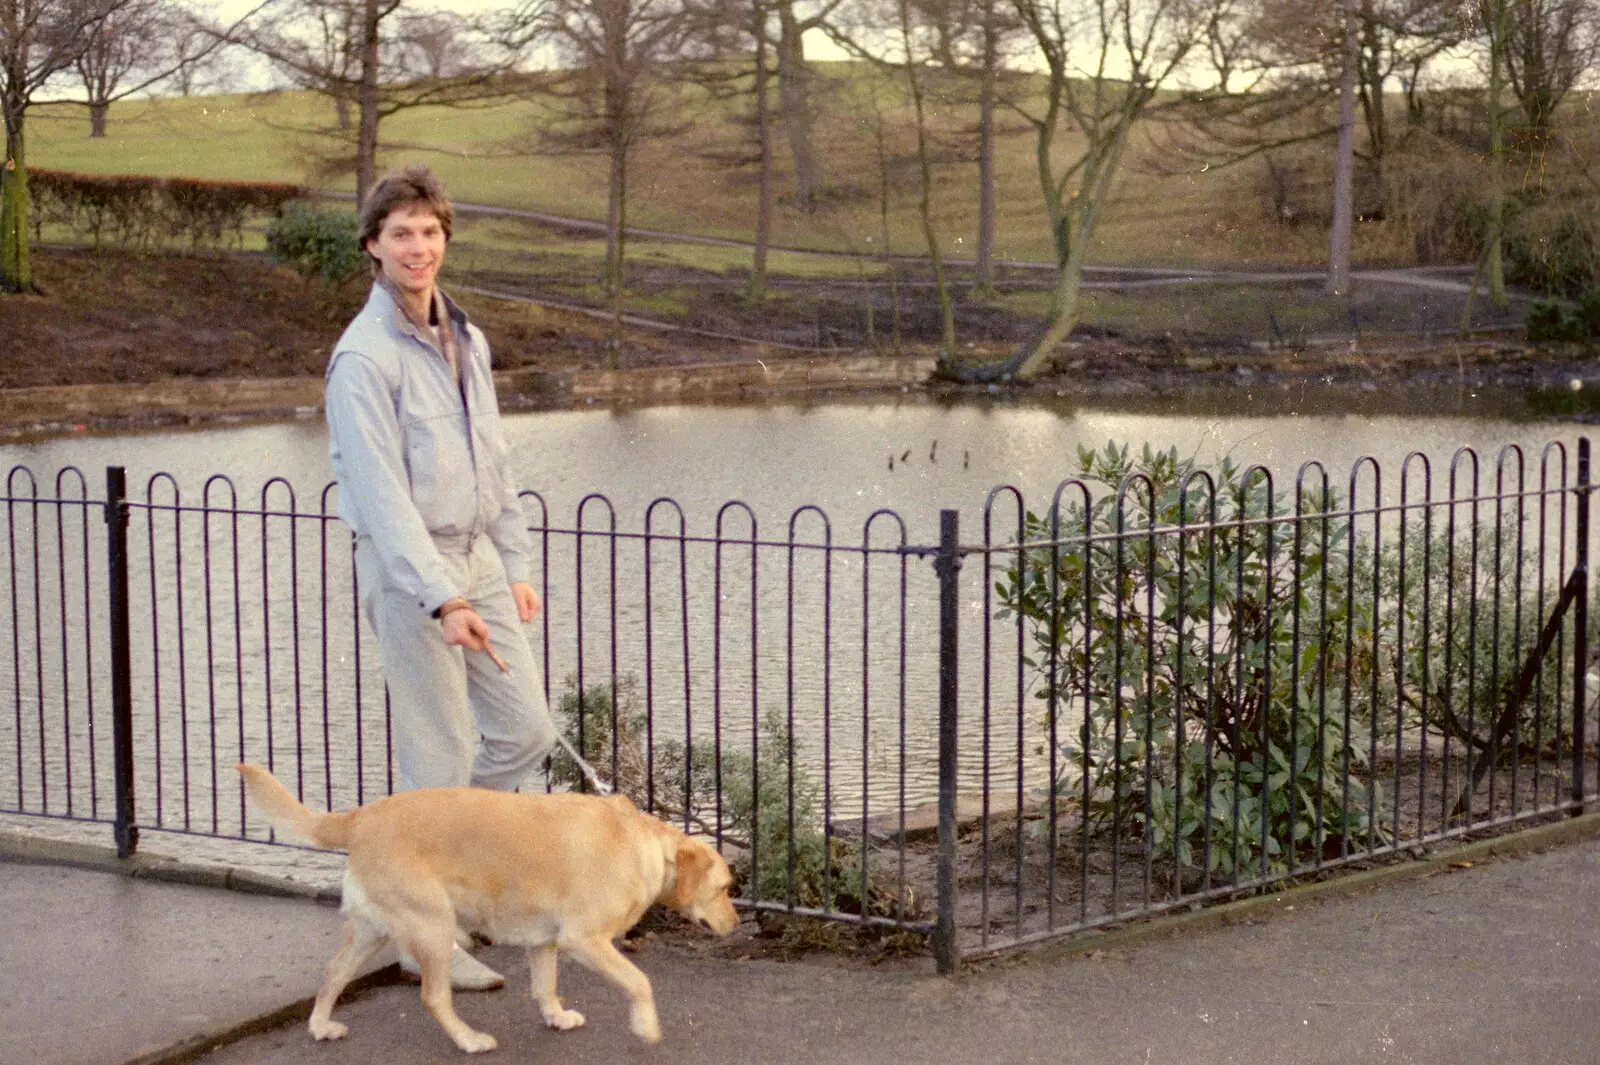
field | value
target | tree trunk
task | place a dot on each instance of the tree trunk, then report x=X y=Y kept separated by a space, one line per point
x=341 y=106
x=885 y=240
x=1344 y=162
x=1073 y=222
x=947 y=341
x=794 y=90
x=97 y=119
x=758 y=266
x=616 y=190
x=16 y=272
x=986 y=205
x=1370 y=81
x=1063 y=315
x=367 y=135
x=616 y=235
x=1494 y=228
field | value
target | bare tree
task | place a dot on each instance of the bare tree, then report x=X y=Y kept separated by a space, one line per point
x=729 y=56
x=212 y=65
x=914 y=73
x=763 y=113
x=1397 y=40
x=1344 y=157
x=797 y=91
x=436 y=44
x=316 y=45
x=1496 y=16
x=620 y=54
x=39 y=39
x=1106 y=63
x=140 y=38
x=1351 y=51
x=355 y=51
x=973 y=39
x=1549 y=46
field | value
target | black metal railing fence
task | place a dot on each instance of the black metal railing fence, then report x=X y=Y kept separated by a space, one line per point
x=1167 y=684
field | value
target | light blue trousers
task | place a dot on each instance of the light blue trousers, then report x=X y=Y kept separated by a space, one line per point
x=457 y=719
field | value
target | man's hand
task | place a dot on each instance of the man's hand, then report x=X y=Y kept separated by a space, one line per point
x=464 y=628
x=528 y=602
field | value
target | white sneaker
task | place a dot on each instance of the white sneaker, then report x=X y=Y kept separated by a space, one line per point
x=466 y=972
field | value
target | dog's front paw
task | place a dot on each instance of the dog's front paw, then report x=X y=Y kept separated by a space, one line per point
x=476 y=1042
x=564 y=1020
x=646 y=1026
x=328 y=1030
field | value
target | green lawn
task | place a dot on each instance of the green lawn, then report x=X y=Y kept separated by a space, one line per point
x=493 y=155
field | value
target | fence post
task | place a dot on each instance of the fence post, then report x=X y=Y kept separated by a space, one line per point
x=1580 y=631
x=126 y=832
x=947 y=564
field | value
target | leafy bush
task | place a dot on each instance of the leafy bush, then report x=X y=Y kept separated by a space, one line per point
x=1223 y=695
x=316 y=243
x=1554 y=248
x=681 y=782
x=1550 y=322
x=1472 y=610
x=206 y=212
x=1175 y=662
x=1558 y=322
x=1434 y=189
x=137 y=211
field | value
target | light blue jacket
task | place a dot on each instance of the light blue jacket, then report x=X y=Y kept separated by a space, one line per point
x=418 y=470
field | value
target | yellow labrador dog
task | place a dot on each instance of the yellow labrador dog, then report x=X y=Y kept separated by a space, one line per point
x=551 y=873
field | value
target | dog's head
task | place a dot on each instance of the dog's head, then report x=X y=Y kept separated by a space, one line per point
x=701 y=889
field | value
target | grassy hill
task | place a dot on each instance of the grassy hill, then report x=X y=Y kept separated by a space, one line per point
x=681 y=183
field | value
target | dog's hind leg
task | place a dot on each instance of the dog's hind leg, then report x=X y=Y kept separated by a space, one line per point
x=601 y=955
x=361 y=941
x=542 y=967
x=431 y=944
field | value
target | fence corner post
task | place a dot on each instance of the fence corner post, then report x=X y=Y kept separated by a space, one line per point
x=125 y=830
x=947 y=564
x=1580 y=633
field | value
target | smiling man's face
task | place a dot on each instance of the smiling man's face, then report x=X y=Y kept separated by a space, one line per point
x=410 y=249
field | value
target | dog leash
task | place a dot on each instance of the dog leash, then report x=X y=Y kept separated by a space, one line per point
x=583 y=767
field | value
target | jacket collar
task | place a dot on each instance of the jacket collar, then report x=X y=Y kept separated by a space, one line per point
x=384 y=302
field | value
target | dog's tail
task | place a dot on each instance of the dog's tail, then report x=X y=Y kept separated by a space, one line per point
x=288 y=815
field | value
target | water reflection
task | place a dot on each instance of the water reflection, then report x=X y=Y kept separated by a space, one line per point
x=241 y=660
x=852 y=456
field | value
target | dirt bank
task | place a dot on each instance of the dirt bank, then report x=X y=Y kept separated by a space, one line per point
x=121 y=340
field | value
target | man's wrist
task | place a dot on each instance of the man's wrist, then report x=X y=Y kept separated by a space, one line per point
x=450 y=606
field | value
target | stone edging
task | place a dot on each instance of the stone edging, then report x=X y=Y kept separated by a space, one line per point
x=202 y=399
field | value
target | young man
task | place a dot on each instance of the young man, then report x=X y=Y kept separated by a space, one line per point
x=442 y=550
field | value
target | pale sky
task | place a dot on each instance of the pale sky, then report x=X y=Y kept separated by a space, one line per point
x=818 y=46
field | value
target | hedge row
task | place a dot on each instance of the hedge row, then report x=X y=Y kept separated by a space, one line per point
x=145 y=212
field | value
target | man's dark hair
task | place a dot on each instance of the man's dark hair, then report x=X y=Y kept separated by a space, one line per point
x=401 y=188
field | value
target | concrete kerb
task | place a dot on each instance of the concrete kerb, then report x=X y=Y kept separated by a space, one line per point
x=1438 y=859
x=201 y=1043
x=17 y=847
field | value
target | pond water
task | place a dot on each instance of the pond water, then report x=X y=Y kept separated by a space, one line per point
x=852 y=456
x=847 y=457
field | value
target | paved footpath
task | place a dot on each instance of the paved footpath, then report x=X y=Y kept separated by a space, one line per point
x=1494 y=964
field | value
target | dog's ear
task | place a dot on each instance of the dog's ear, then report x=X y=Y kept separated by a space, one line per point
x=693 y=864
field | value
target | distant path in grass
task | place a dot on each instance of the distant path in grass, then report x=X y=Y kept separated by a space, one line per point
x=1128 y=277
